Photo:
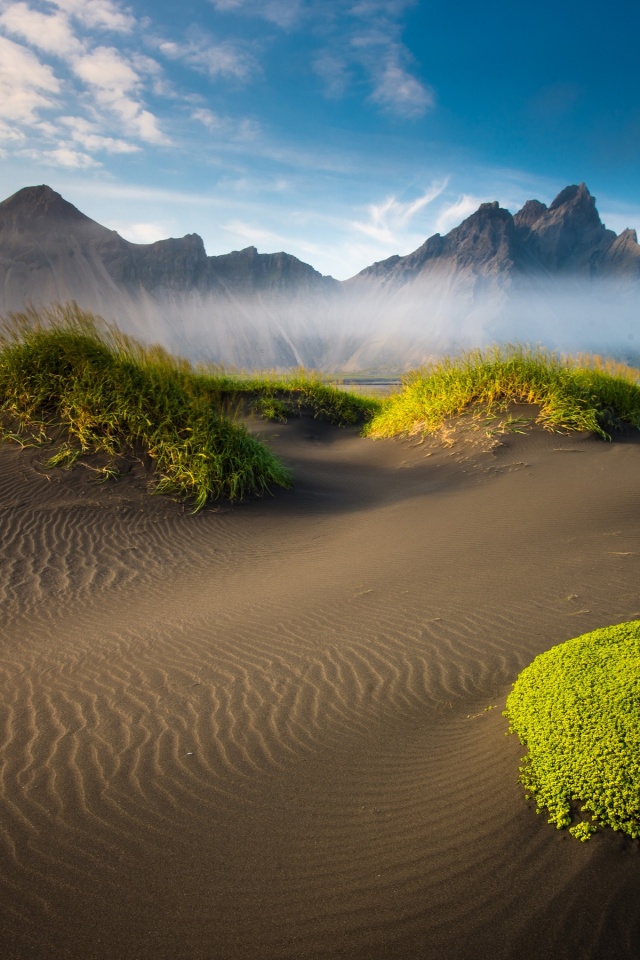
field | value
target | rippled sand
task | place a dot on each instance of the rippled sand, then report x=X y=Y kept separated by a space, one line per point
x=260 y=732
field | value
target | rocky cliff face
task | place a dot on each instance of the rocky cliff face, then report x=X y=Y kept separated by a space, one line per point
x=42 y=234
x=232 y=308
x=552 y=275
x=566 y=239
x=496 y=276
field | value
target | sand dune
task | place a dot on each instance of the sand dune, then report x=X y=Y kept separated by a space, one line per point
x=260 y=732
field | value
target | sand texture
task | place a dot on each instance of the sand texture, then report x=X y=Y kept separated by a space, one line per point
x=259 y=732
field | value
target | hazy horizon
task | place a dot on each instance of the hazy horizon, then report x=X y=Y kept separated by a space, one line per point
x=385 y=334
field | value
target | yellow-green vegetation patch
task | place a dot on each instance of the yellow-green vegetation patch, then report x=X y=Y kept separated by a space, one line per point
x=577 y=709
x=63 y=369
x=583 y=393
x=108 y=394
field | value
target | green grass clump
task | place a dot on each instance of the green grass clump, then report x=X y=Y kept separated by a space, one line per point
x=277 y=397
x=64 y=368
x=577 y=709
x=583 y=393
x=111 y=394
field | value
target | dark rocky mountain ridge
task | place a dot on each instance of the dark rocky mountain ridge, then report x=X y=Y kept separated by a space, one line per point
x=259 y=310
x=565 y=239
x=38 y=227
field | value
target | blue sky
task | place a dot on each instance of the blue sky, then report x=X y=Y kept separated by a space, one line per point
x=341 y=131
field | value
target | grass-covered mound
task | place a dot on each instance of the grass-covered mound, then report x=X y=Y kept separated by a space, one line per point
x=63 y=371
x=585 y=394
x=577 y=709
x=277 y=397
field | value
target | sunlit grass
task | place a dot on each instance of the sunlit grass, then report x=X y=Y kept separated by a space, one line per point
x=64 y=369
x=584 y=393
x=576 y=709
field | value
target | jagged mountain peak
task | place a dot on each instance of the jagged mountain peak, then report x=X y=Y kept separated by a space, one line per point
x=574 y=194
x=38 y=195
x=37 y=205
x=628 y=236
x=487 y=213
x=487 y=208
x=576 y=205
x=568 y=237
x=532 y=211
x=260 y=310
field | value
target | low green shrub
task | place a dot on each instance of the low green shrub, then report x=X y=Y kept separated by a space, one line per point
x=577 y=710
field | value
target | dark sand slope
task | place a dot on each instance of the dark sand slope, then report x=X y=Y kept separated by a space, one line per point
x=259 y=732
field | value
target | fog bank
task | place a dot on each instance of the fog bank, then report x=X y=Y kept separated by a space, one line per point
x=370 y=331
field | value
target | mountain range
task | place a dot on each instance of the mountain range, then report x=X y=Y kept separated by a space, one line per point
x=496 y=276
x=565 y=239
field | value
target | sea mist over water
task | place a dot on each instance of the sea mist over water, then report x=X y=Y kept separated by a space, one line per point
x=390 y=331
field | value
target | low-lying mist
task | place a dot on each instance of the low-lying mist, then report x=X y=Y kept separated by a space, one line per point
x=377 y=331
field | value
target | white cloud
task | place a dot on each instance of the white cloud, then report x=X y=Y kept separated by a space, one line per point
x=142 y=232
x=400 y=93
x=99 y=13
x=334 y=72
x=453 y=214
x=116 y=85
x=60 y=156
x=224 y=59
x=229 y=6
x=231 y=131
x=284 y=13
x=9 y=133
x=26 y=84
x=64 y=156
x=105 y=69
x=113 y=80
x=87 y=135
x=366 y=37
x=388 y=8
x=389 y=219
x=207 y=118
x=51 y=33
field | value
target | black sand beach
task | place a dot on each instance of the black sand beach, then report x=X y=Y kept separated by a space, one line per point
x=260 y=732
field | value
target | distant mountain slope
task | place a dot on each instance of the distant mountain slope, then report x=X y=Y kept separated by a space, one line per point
x=566 y=239
x=41 y=232
x=548 y=274
x=51 y=252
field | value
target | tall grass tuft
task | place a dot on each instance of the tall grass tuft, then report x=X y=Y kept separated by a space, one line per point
x=582 y=393
x=109 y=393
x=64 y=368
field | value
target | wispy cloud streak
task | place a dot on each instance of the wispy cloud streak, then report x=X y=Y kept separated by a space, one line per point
x=284 y=13
x=365 y=40
x=389 y=219
x=226 y=60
